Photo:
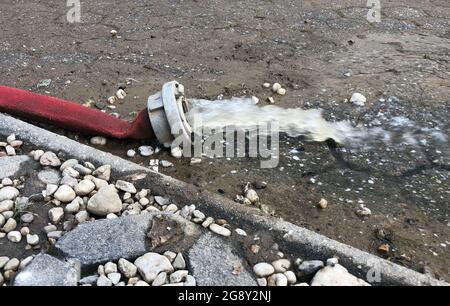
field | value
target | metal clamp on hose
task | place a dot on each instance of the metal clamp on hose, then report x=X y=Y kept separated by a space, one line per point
x=166 y=111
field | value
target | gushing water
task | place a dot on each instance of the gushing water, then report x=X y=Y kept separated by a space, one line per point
x=244 y=114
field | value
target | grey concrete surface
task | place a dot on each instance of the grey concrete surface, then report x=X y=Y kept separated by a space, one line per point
x=213 y=260
x=46 y=270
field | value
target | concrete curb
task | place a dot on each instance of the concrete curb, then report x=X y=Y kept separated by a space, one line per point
x=299 y=241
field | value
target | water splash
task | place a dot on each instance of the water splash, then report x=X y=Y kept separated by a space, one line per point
x=243 y=113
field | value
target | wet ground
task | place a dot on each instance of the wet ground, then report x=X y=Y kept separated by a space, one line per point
x=320 y=52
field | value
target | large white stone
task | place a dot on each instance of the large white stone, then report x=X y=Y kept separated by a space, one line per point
x=263 y=269
x=8 y=193
x=151 y=264
x=128 y=269
x=65 y=194
x=105 y=201
x=336 y=275
x=84 y=187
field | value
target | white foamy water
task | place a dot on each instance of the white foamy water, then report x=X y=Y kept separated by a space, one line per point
x=244 y=114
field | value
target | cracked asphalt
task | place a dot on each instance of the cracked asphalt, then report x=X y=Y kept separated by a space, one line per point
x=321 y=52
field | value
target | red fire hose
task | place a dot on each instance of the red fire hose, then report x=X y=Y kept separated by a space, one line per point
x=72 y=116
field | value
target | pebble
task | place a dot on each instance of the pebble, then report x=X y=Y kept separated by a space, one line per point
x=99 y=183
x=271 y=100
x=50 y=228
x=6 y=205
x=281 y=265
x=84 y=187
x=146 y=151
x=14 y=236
x=16 y=143
x=220 y=230
x=114 y=277
x=179 y=263
x=110 y=267
x=160 y=280
x=131 y=153
x=171 y=208
x=50 y=159
x=263 y=269
x=105 y=201
x=103 y=281
x=208 y=222
x=56 y=214
x=98 y=141
x=144 y=201
x=37 y=154
x=170 y=255
x=111 y=216
x=82 y=216
x=332 y=261
x=65 y=194
x=275 y=87
x=7 y=182
x=198 y=214
x=69 y=181
x=73 y=207
x=32 y=239
x=71 y=172
x=50 y=189
x=141 y=283
x=281 y=91
x=262 y=282
x=128 y=269
x=103 y=172
x=161 y=200
x=101 y=270
x=12 y=264
x=266 y=85
x=151 y=264
x=165 y=163
x=358 y=99
x=384 y=249
x=10 y=138
x=363 y=211
x=3 y=261
x=278 y=279
x=2 y=220
x=112 y=99
x=10 y=151
x=309 y=267
x=125 y=186
x=68 y=163
x=240 y=232
x=25 y=262
x=24 y=231
x=10 y=225
x=190 y=281
x=336 y=275
x=252 y=196
x=291 y=278
x=8 y=214
x=121 y=94
x=8 y=193
x=54 y=235
x=322 y=203
x=195 y=160
x=82 y=169
x=178 y=276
